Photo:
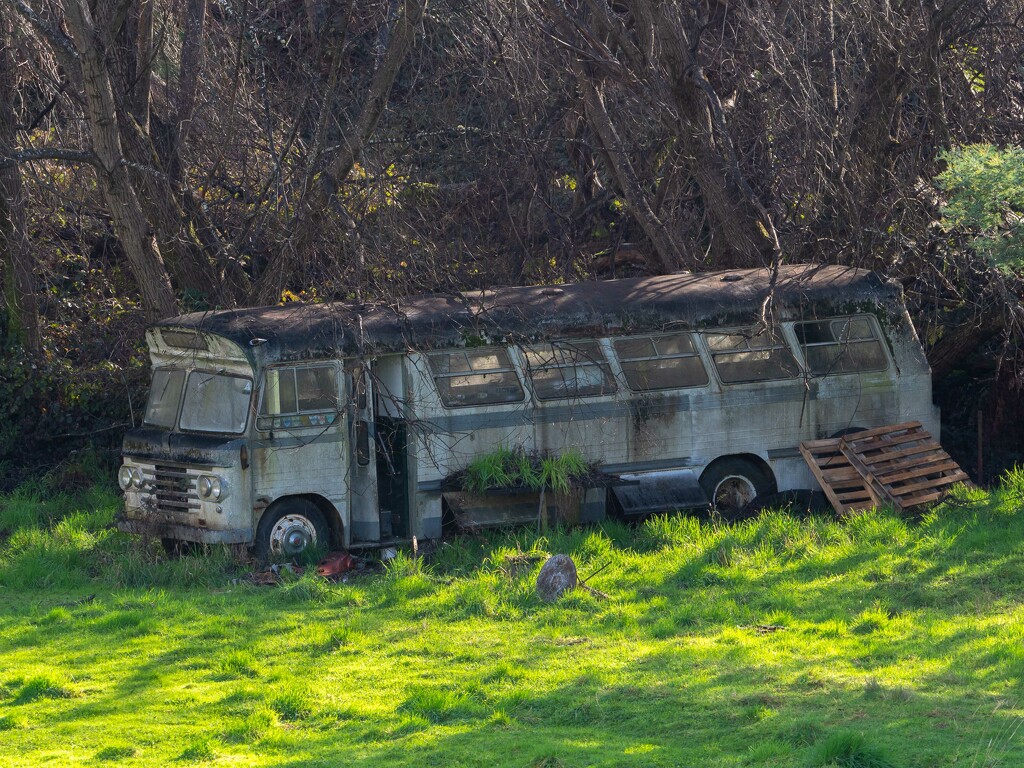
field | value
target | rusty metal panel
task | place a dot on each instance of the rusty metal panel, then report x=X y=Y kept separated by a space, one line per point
x=477 y=510
x=482 y=510
x=660 y=492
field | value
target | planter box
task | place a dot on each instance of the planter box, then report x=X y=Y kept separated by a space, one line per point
x=505 y=507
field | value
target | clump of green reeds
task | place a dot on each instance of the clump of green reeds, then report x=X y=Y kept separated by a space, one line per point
x=508 y=468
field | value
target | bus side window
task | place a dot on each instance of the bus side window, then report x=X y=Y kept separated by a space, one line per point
x=742 y=356
x=841 y=345
x=316 y=389
x=304 y=396
x=569 y=369
x=660 y=362
x=481 y=376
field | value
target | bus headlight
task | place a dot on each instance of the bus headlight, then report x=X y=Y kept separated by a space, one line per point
x=130 y=477
x=211 y=487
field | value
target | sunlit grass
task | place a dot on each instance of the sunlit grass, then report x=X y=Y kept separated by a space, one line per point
x=779 y=641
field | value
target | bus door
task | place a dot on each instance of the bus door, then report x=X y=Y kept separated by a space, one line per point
x=365 y=521
x=300 y=444
x=392 y=448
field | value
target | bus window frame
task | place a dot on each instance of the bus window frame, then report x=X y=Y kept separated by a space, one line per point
x=221 y=373
x=776 y=333
x=605 y=364
x=653 y=337
x=878 y=337
x=443 y=397
x=267 y=422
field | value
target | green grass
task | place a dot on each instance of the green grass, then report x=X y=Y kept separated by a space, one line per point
x=871 y=642
x=507 y=468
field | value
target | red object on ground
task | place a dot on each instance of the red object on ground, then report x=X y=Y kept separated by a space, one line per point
x=335 y=564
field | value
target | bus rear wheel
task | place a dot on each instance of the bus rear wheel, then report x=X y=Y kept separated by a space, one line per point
x=733 y=485
x=291 y=530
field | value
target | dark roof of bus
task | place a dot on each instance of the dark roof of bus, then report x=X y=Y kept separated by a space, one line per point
x=298 y=331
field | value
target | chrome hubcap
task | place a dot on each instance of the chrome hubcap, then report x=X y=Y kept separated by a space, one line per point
x=291 y=535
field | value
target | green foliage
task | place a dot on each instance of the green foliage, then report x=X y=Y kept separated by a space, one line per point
x=240 y=664
x=438 y=705
x=293 y=705
x=257 y=726
x=116 y=752
x=12 y=722
x=199 y=751
x=985 y=197
x=52 y=407
x=553 y=474
x=492 y=470
x=505 y=468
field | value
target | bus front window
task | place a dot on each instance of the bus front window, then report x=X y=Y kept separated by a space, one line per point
x=216 y=402
x=164 y=397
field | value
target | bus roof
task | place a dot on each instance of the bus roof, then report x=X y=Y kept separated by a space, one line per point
x=298 y=331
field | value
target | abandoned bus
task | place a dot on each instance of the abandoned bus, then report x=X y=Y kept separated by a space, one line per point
x=338 y=424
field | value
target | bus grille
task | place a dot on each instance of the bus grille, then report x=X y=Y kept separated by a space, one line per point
x=174 y=489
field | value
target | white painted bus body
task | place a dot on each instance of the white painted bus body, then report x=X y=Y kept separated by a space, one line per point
x=373 y=462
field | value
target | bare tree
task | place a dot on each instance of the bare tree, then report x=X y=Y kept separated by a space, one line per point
x=130 y=224
x=331 y=172
x=16 y=264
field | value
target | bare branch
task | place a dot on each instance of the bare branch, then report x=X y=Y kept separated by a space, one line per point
x=48 y=153
x=56 y=37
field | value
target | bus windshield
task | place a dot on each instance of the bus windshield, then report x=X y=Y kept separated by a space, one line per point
x=215 y=402
x=164 y=397
x=209 y=401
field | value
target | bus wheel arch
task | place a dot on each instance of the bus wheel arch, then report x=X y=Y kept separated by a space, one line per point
x=293 y=524
x=735 y=483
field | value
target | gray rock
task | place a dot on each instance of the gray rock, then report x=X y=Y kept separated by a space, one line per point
x=557 y=576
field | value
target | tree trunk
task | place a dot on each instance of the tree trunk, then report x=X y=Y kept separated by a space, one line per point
x=130 y=224
x=143 y=64
x=740 y=227
x=16 y=273
x=162 y=206
x=281 y=267
x=668 y=250
x=189 y=73
x=130 y=72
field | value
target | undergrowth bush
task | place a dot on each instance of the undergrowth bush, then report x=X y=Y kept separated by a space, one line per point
x=51 y=538
x=51 y=407
x=61 y=539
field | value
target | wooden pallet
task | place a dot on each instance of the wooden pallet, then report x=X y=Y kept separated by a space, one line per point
x=901 y=465
x=845 y=488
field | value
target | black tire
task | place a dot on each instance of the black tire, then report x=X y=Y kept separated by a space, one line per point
x=290 y=530
x=734 y=485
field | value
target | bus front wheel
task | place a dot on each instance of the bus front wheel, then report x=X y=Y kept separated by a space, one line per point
x=732 y=485
x=291 y=529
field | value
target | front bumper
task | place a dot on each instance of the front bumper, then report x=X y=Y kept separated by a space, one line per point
x=168 y=504
x=165 y=530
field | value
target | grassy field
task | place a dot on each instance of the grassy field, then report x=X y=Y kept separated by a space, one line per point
x=781 y=641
